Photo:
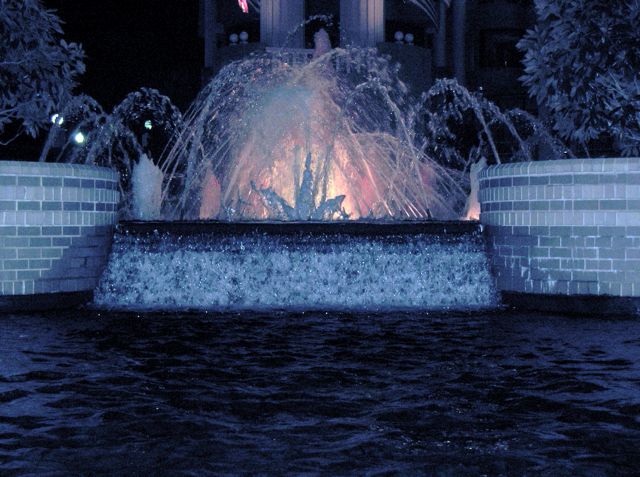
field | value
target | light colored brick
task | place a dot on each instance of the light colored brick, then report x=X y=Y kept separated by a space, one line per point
x=594 y=221
x=25 y=255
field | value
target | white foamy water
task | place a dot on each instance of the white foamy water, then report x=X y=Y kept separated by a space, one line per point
x=146 y=187
x=267 y=272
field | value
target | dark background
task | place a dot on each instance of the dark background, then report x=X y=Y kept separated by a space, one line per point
x=133 y=44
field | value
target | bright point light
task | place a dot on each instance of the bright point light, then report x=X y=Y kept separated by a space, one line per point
x=57 y=119
x=148 y=124
x=79 y=138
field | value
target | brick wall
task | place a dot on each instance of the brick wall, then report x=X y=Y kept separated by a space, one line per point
x=56 y=226
x=566 y=227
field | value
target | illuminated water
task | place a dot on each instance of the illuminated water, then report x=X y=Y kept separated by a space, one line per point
x=292 y=269
x=279 y=137
x=335 y=136
x=89 y=393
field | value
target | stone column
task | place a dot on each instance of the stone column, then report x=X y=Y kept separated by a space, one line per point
x=209 y=33
x=440 y=43
x=362 y=21
x=459 y=26
x=278 y=18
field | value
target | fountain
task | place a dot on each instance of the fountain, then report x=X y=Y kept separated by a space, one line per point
x=319 y=183
x=331 y=139
x=314 y=180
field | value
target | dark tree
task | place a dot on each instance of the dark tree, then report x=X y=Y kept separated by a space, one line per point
x=38 y=68
x=582 y=64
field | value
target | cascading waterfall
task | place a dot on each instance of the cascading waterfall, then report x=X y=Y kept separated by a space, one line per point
x=297 y=269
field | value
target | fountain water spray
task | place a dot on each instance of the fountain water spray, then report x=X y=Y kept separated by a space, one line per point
x=332 y=138
x=336 y=137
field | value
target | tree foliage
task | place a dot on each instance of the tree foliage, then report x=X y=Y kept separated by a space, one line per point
x=37 y=67
x=582 y=64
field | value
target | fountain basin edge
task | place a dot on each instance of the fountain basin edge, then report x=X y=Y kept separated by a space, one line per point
x=362 y=228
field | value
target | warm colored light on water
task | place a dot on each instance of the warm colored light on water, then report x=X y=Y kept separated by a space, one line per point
x=257 y=125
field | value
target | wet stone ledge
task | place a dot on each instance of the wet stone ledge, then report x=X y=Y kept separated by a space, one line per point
x=352 y=228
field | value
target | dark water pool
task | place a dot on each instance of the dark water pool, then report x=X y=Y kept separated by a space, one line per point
x=89 y=393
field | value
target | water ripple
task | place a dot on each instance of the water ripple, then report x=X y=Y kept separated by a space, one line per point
x=88 y=393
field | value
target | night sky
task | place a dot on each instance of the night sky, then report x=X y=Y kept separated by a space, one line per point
x=135 y=43
x=131 y=44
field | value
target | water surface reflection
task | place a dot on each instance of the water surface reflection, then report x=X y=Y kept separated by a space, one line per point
x=95 y=393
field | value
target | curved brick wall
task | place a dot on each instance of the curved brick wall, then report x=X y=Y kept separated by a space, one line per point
x=566 y=227
x=56 y=225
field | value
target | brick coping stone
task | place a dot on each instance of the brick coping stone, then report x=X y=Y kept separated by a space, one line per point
x=28 y=168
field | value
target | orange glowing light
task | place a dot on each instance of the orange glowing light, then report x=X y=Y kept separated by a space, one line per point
x=210 y=205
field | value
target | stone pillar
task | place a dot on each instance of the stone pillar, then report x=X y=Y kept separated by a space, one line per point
x=362 y=21
x=278 y=18
x=209 y=33
x=459 y=26
x=440 y=43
